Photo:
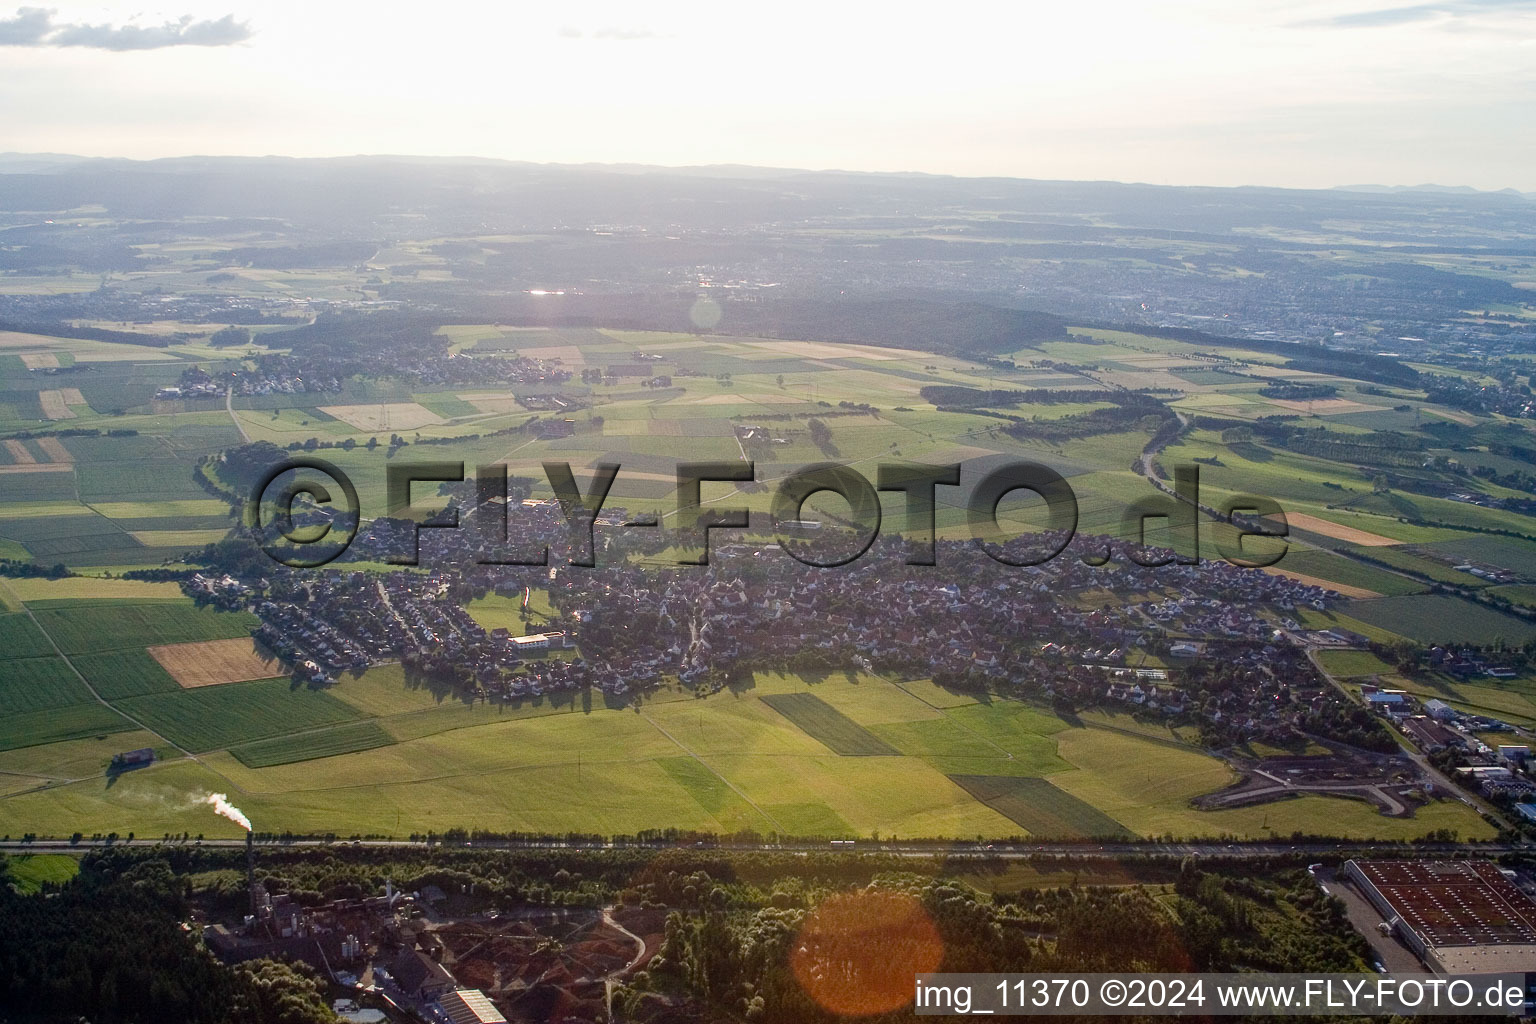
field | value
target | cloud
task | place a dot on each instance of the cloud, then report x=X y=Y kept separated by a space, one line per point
x=1447 y=9
x=28 y=28
x=34 y=26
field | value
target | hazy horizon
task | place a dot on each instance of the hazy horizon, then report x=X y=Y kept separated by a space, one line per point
x=1284 y=93
x=1454 y=188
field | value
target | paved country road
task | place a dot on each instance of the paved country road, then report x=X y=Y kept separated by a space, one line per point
x=980 y=851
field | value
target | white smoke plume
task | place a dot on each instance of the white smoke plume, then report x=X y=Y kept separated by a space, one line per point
x=221 y=805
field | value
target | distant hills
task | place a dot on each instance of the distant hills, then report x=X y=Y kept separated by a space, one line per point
x=47 y=163
x=1457 y=190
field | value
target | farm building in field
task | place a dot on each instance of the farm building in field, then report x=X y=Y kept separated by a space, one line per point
x=133 y=758
x=470 y=1006
x=1460 y=917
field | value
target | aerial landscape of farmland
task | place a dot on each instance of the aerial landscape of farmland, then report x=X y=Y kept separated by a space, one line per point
x=767 y=515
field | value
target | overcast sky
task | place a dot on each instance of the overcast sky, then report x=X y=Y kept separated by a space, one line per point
x=1269 y=92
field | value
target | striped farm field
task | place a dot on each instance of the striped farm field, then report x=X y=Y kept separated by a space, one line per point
x=50 y=725
x=821 y=721
x=32 y=684
x=90 y=627
x=119 y=674
x=211 y=662
x=307 y=746
x=1041 y=808
x=213 y=717
x=20 y=638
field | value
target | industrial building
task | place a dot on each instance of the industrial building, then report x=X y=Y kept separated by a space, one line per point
x=1460 y=917
x=470 y=1006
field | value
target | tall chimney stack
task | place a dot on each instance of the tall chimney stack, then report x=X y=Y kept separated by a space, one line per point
x=250 y=869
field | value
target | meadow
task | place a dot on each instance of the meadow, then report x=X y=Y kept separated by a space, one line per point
x=954 y=766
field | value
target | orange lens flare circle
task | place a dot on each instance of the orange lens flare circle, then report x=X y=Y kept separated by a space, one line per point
x=858 y=953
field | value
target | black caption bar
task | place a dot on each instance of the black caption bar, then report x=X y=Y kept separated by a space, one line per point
x=1222 y=995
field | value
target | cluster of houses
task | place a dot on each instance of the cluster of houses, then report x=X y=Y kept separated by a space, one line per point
x=1465 y=663
x=317 y=649
x=756 y=608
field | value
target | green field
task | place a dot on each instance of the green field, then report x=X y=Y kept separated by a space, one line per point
x=20 y=638
x=75 y=721
x=308 y=746
x=1041 y=808
x=1338 y=569
x=1434 y=569
x=826 y=724
x=1521 y=594
x=31 y=871
x=1353 y=663
x=1437 y=618
x=214 y=717
x=31 y=684
x=120 y=674
x=1510 y=553
x=85 y=627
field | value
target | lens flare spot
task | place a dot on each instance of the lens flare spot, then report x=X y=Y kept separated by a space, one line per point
x=857 y=953
x=706 y=313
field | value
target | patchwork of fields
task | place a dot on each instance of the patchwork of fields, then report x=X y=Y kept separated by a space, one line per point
x=89 y=666
x=842 y=755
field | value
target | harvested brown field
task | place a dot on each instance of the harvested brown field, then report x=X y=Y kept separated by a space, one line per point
x=568 y=355
x=211 y=662
x=40 y=360
x=833 y=350
x=55 y=450
x=72 y=396
x=1317 y=581
x=385 y=416
x=493 y=403
x=759 y=399
x=19 y=453
x=1348 y=534
x=54 y=406
x=41 y=467
x=1322 y=406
